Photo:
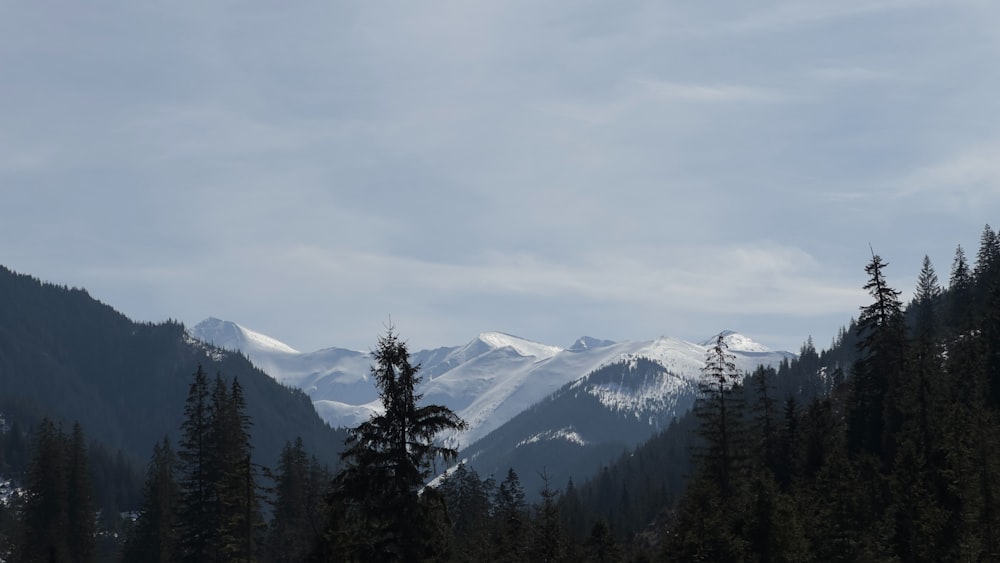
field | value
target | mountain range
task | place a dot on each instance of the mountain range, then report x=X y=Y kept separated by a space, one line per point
x=528 y=405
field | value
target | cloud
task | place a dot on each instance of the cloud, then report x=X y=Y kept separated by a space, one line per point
x=966 y=180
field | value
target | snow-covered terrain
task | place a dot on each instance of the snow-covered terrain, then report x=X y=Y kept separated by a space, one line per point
x=487 y=381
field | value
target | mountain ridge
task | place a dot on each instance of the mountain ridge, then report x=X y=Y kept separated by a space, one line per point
x=487 y=381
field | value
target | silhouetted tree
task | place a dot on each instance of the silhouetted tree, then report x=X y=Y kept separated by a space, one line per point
x=376 y=511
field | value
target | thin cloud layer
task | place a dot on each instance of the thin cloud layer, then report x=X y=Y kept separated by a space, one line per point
x=623 y=170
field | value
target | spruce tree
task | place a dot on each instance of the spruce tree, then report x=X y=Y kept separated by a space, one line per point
x=238 y=506
x=219 y=509
x=874 y=414
x=719 y=409
x=198 y=493
x=154 y=537
x=548 y=538
x=45 y=511
x=81 y=512
x=296 y=521
x=376 y=511
x=511 y=516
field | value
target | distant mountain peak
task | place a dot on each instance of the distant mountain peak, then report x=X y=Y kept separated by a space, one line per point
x=588 y=343
x=737 y=342
x=523 y=347
x=232 y=336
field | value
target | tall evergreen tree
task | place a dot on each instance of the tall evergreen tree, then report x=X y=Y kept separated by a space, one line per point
x=548 y=538
x=45 y=511
x=959 y=305
x=80 y=509
x=512 y=519
x=154 y=537
x=198 y=494
x=377 y=513
x=58 y=512
x=238 y=506
x=219 y=509
x=874 y=410
x=296 y=521
x=719 y=409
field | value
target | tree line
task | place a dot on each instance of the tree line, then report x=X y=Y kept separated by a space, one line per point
x=900 y=462
x=886 y=450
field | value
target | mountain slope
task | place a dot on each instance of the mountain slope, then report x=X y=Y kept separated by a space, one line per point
x=489 y=380
x=621 y=404
x=70 y=357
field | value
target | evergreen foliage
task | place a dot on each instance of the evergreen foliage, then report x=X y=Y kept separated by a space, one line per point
x=57 y=512
x=153 y=538
x=297 y=505
x=219 y=509
x=68 y=357
x=376 y=509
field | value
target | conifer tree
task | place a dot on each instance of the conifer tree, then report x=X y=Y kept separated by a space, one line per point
x=59 y=516
x=874 y=410
x=238 y=506
x=81 y=512
x=719 y=410
x=548 y=542
x=766 y=435
x=296 y=521
x=511 y=516
x=45 y=511
x=219 y=508
x=376 y=511
x=959 y=309
x=154 y=537
x=198 y=494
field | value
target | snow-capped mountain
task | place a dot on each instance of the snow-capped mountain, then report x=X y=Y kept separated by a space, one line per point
x=488 y=381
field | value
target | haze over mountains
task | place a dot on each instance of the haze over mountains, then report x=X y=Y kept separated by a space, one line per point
x=491 y=379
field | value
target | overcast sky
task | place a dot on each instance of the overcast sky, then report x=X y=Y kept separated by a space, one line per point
x=622 y=170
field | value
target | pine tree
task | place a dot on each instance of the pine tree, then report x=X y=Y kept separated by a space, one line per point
x=80 y=509
x=469 y=502
x=765 y=430
x=874 y=415
x=219 y=509
x=297 y=506
x=154 y=537
x=376 y=512
x=719 y=410
x=548 y=543
x=58 y=512
x=198 y=495
x=238 y=508
x=511 y=516
x=45 y=511
x=959 y=308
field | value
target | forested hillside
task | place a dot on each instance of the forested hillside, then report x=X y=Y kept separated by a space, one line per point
x=77 y=376
x=69 y=357
x=898 y=463
x=882 y=448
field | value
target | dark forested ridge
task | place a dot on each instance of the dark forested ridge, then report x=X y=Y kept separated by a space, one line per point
x=69 y=357
x=884 y=447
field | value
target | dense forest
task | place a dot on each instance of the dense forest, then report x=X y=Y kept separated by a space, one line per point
x=883 y=447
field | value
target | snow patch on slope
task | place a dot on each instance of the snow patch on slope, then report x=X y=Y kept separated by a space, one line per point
x=736 y=342
x=568 y=434
x=520 y=345
x=232 y=336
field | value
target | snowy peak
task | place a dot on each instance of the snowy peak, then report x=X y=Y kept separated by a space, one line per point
x=527 y=348
x=231 y=336
x=585 y=343
x=736 y=342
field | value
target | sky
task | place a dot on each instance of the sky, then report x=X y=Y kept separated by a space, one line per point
x=317 y=170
